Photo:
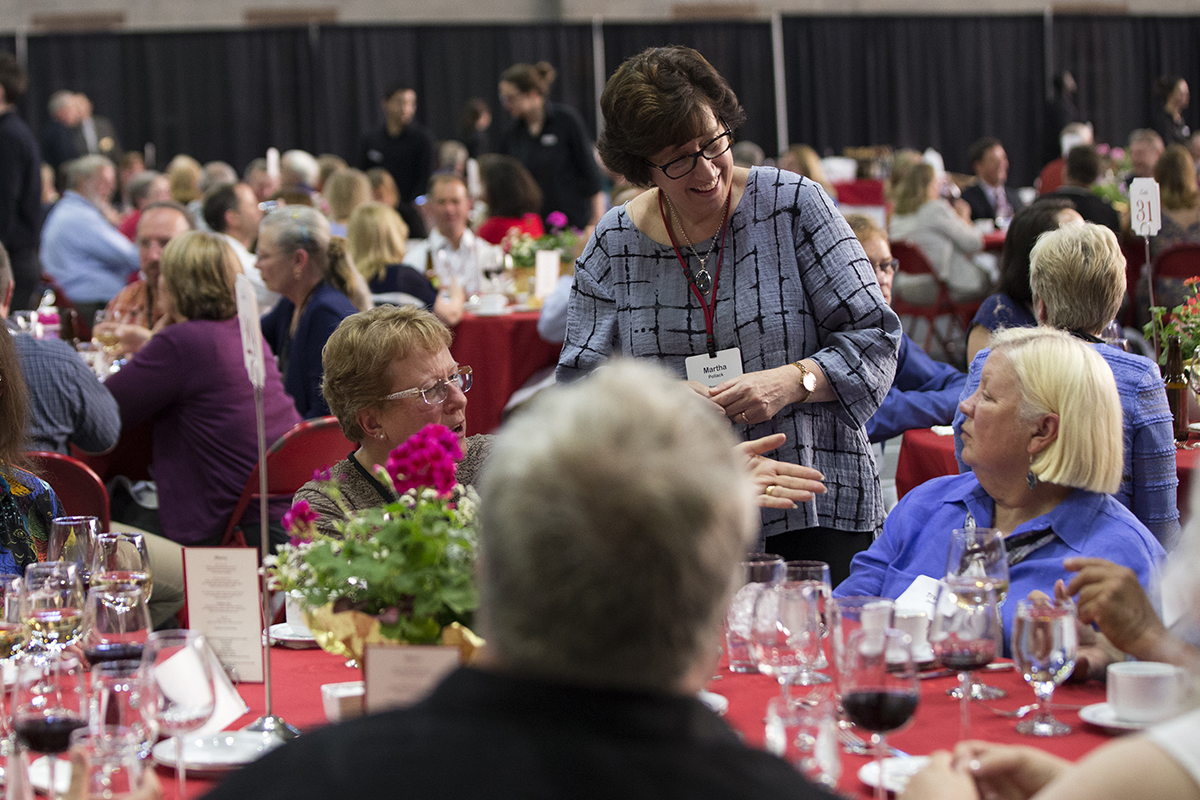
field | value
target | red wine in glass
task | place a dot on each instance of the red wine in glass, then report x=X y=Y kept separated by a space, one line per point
x=965 y=656
x=49 y=734
x=103 y=652
x=881 y=710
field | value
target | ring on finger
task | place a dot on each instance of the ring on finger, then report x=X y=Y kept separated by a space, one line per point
x=744 y=418
x=770 y=488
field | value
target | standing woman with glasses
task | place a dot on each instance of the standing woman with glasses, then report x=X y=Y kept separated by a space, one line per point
x=749 y=284
x=552 y=143
x=320 y=287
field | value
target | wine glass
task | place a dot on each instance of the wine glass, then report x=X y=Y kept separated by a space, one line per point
x=12 y=629
x=1045 y=644
x=121 y=558
x=52 y=605
x=966 y=633
x=979 y=553
x=72 y=539
x=104 y=333
x=759 y=570
x=124 y=701
x=815 y=574
x=879 y=687
x=49 y=701
x=116 y=623
x=847 y=615
x=785 y=635
x=180 y=673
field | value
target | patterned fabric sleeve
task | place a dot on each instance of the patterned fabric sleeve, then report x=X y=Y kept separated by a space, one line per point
x=591 y=315
x=1154 y=473
x=36 y=506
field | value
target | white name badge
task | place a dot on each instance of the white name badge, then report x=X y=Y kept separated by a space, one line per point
x=1145 y=212
x=713 y=371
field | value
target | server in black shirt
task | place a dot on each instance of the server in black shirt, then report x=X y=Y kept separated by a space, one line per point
x=403 y=147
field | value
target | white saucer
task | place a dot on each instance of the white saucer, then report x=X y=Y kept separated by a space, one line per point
x=216 y=755
x=896 y=771
x=1104 y=716
x=39 y=774
x=717 y=703
x=285 y=635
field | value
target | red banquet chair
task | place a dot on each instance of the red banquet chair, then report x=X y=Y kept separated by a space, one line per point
x=309 y=446
x=1179 y=261
x=913 y=262
x=79 y=489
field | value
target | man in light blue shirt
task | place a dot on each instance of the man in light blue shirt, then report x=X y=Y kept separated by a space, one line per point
x=81 y=249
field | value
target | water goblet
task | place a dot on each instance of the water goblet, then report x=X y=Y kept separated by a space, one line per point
x=179 y=671
x=123 y=699
x=116 y=623
x=785 y=635
x=121 y=558
x=966 y=633
x=759 y=570
x=1045 y=644
x=73 y=539
x=979 y=553
x=815 y=574
x=880 y=690
x=52 y=605
x=49 y=701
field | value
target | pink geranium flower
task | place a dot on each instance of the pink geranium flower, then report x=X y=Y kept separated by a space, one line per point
x=298 y=521
x=429 y=458
x=557 y=219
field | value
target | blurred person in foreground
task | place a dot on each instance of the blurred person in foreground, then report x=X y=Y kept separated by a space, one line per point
x=1077 y=278
x=389 y=373
x=614 y=517
x=924 y=392
x=1042 y=434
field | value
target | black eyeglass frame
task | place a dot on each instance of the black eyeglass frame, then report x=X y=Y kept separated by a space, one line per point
x=695 y=157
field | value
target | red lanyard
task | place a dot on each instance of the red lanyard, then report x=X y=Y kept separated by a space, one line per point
x=710 y=312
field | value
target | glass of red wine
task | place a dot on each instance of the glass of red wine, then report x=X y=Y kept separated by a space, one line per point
x=116 y=623
x=179 y=671
x=121 y=558
x=52 y=606
x=880 y=689
x=49 y=701
x=966 y=633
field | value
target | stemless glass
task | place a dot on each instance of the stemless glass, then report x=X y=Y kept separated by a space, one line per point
x=116 y=623
x=847 y=615
x=785 y=635
x=72 y=539
x=52 y=605
x=815 y=574
x=1045 y=644
x=119 y=558
x=49 y=701
x=759 y=570
x=979 y=553
x=178 y=668
x=879 y=687
x=966 y=633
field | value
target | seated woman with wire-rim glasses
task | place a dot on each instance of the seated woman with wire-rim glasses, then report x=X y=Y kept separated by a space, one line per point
x=389 y=373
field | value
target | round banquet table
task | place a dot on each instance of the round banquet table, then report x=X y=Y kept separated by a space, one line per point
x=503 y=352
x=299 y=674
x=925 y=455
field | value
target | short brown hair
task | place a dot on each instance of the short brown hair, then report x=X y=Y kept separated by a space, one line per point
x=865 y=228
x=530 y=77
x=508 y=187
x=658 y=99
x=199 y=270
x=1176 y=174
x=357 y=356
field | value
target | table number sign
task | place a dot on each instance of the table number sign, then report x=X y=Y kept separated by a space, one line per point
x=221 y=584
x=396 y=676
x=1145 y=211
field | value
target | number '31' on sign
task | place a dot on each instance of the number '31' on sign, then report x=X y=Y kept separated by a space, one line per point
x=1145 y=213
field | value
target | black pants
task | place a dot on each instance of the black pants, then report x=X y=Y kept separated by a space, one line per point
x=27 y=274
x=834 y=547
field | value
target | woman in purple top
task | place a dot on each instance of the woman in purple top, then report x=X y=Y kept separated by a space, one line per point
x=1012 y=306
x=191 y=380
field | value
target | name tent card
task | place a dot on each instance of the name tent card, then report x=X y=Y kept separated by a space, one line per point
x=396 y=676
x=1145 y=211
x=221 y=584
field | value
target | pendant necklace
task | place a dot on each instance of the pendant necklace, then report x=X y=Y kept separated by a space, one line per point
x=702 y=279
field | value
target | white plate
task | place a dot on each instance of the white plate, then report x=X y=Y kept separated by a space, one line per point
x=39 y=774
x=479 y=312
x=717 y=703
x=287 y=636
x=897 y=772
x=1104 y=716
x=216 y=755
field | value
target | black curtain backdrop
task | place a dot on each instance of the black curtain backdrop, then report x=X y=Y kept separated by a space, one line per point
x=906 y=81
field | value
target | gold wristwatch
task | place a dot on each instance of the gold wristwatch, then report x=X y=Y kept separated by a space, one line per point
x=808 y=380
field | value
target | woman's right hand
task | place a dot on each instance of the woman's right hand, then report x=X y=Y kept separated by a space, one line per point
x=1004 y=772
x=130 y=337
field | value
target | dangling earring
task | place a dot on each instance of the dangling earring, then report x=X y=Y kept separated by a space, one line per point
x=1030 y=478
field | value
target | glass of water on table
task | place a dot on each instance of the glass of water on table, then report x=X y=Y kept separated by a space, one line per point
x=760 y=570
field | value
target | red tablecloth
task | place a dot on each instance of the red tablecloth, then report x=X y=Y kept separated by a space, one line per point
x=925 y=455
x=299 y=675
x=994 y=242
x=503 y=351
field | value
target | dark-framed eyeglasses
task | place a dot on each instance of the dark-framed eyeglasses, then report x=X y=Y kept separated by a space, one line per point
x=439 y=391
x=887 y=267
x=679 y=167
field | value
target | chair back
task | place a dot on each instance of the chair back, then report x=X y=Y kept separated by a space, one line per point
x=79 y=489
x=912 y=260
x=291 y=461
x=1179 y=261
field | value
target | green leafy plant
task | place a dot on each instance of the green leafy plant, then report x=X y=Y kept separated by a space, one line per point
x=1183 y=321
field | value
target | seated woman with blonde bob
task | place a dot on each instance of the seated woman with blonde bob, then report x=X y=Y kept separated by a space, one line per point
x=377 y=238
x=389 y=373
x=1042 y=434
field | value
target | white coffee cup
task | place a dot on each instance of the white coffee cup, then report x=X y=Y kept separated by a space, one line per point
x=492 y=303
x=915 y=624
x=1145 y=691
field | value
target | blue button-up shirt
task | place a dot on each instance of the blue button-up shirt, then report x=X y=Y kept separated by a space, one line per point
x=89 y=258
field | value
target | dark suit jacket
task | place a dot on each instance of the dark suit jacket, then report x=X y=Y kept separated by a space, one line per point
x=106 y=138
x=1091 y=208
x=58 y=144
x=981 y=204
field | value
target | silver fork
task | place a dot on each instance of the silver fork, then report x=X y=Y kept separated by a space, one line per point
x=853 y=744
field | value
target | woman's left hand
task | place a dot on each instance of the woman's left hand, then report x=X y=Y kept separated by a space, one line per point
x=757 y=396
